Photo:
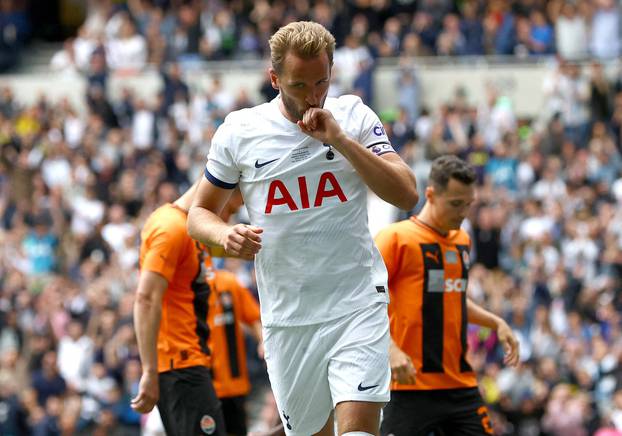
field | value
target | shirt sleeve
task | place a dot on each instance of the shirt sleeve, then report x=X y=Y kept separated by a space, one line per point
x=162 y=252
x=373 y=136
x=221 y=168
x=386 y=241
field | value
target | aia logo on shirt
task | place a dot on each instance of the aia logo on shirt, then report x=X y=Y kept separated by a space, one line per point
x=280 y=195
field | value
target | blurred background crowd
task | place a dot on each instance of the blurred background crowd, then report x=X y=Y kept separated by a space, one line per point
x=77 y=183
x=135 y=33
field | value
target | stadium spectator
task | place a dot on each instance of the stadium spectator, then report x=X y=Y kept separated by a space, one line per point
x=126 y=51
x=40 y=246
x=450 y=41
x=14 y=32
x=571 y=33
x=351 y=61
x=174 y=87
x=541 y=34
x=472 y=29
x=75 y=355
x=47 y=381
x=605 y=29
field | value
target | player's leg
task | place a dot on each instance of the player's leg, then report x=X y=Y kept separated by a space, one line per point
x=297 y=364
x=166 y=400
x=358 y=371
x=358 y=416
x=329 y=427
x=411 y=413
x=475 y=423
x=193 y=405
x=467 y=414
x=234 y=412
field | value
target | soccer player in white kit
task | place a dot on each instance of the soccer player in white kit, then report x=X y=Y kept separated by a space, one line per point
x=303 y=163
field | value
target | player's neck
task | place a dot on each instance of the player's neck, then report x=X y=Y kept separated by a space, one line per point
x=178 y=207
x=284 y=112
x=184 y=202
x=426 y=218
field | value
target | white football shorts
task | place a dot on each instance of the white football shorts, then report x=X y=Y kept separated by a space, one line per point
x=312 y=368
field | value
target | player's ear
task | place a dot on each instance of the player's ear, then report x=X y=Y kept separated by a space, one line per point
x=274 y=78
x=429 y=193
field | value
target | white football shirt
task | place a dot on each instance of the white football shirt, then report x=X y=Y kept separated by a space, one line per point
x=318 y=260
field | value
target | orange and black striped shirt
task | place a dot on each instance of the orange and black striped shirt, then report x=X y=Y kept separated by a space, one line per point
x=428 y=275
x=231 y=306
x=167 y=249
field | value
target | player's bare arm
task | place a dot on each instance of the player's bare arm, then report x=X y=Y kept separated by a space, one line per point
x=256 y=331
x=147 y=313
x=480 y=316
x=387 y=175
x=402 y=368
x=206 y=226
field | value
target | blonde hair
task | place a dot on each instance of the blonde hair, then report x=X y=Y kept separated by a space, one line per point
x=306 y=39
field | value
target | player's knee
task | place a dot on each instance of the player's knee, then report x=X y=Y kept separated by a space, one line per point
x=357 y=433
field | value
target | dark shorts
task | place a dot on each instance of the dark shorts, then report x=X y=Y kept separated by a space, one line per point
x=188 y=403
x=234 y=409
x=447 y=412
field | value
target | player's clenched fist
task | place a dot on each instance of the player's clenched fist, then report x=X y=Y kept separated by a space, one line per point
x=242 y=240
x=321 y=125
x=402 y=368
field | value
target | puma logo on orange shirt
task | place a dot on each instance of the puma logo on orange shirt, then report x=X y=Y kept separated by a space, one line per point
x=433 y=256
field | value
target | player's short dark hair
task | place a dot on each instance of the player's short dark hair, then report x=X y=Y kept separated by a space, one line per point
x=449 y=167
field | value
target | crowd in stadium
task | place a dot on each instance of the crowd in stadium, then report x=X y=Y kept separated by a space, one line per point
x=189 y=32
x=76 y=187
x=140 y=32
